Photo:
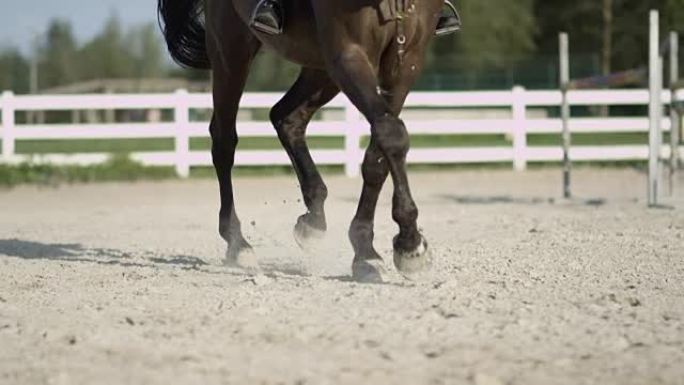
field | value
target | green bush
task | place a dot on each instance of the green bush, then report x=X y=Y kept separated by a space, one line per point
x=117 y=168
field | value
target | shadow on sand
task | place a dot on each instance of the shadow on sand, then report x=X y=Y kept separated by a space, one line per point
x=73 y=252
x=507 y=199
x=77 y=253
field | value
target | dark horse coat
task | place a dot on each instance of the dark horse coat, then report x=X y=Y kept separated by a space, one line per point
x=371 y=50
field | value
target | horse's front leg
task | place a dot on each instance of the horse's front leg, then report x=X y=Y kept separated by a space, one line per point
x=395 y=86
x=351 y=66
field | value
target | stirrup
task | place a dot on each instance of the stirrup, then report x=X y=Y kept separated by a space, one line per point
x=453 y=28
x=265 y=28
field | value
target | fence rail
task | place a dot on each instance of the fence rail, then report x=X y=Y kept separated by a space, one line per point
x=517 y=125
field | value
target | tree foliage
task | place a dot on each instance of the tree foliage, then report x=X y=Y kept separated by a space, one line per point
x=58 y=56
x=113 y=53
x=14 y=71
x=493 y=32
x=582 y=20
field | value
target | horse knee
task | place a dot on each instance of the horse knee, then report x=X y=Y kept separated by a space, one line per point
x=277 y=116
x=391 y=136
x=222 y=136
x=223 y=145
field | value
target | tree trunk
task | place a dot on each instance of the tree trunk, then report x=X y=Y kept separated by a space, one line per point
x=606 y=56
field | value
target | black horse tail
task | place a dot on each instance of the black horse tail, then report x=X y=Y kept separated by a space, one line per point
x=182 y=22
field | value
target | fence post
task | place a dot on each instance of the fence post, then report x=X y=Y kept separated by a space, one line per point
x=352 y=139
x=182 y=138
x=655 y=110
x=675 y=120
x=8 y=123
x=519 y=129
x=564 y=44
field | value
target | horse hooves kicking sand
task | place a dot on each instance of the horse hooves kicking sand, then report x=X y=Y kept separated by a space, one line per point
x=371 y=51
x=244 y=259
x=307 y=236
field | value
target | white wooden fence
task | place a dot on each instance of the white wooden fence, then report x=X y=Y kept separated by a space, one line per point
x=517 y=126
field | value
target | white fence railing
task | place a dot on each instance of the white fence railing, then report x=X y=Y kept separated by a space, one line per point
x=516 y=124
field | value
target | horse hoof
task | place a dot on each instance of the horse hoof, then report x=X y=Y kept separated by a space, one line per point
x=410 y=262
x=244 y=259
x=306 y=236
x=369 y=271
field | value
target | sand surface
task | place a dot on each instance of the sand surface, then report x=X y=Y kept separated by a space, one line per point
x=123 y=284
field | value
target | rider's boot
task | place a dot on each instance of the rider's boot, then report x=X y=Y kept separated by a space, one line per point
x=449 y=21
x=268 y=17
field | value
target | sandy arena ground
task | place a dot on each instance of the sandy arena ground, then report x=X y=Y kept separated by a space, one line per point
x=123 y=284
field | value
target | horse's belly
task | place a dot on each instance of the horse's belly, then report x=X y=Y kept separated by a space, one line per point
x=297 y=49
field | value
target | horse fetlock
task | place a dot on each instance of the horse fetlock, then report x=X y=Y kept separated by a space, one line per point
x=313 y=220
x=360 y=232
x=315 y=196
x=230 y=230
x=408 y=240
x=405 y=213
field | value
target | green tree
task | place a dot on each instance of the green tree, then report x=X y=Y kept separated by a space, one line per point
x=107 y=55
x=585 y=21
x=496 y=35
x=145 y=49
x=57 y=55
x=14 y=71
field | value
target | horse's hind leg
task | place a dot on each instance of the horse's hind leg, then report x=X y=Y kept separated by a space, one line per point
x=231 y=58
x=312 y=90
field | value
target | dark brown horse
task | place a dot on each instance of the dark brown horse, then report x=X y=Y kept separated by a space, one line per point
x=342 y=45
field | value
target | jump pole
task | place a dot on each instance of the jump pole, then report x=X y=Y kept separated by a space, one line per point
x=655 y=110
x=675 y=118
x=655 y=77
x=565 y=111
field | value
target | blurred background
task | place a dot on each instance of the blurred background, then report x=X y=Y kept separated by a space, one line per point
x=73 y=45
x=82 y=48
